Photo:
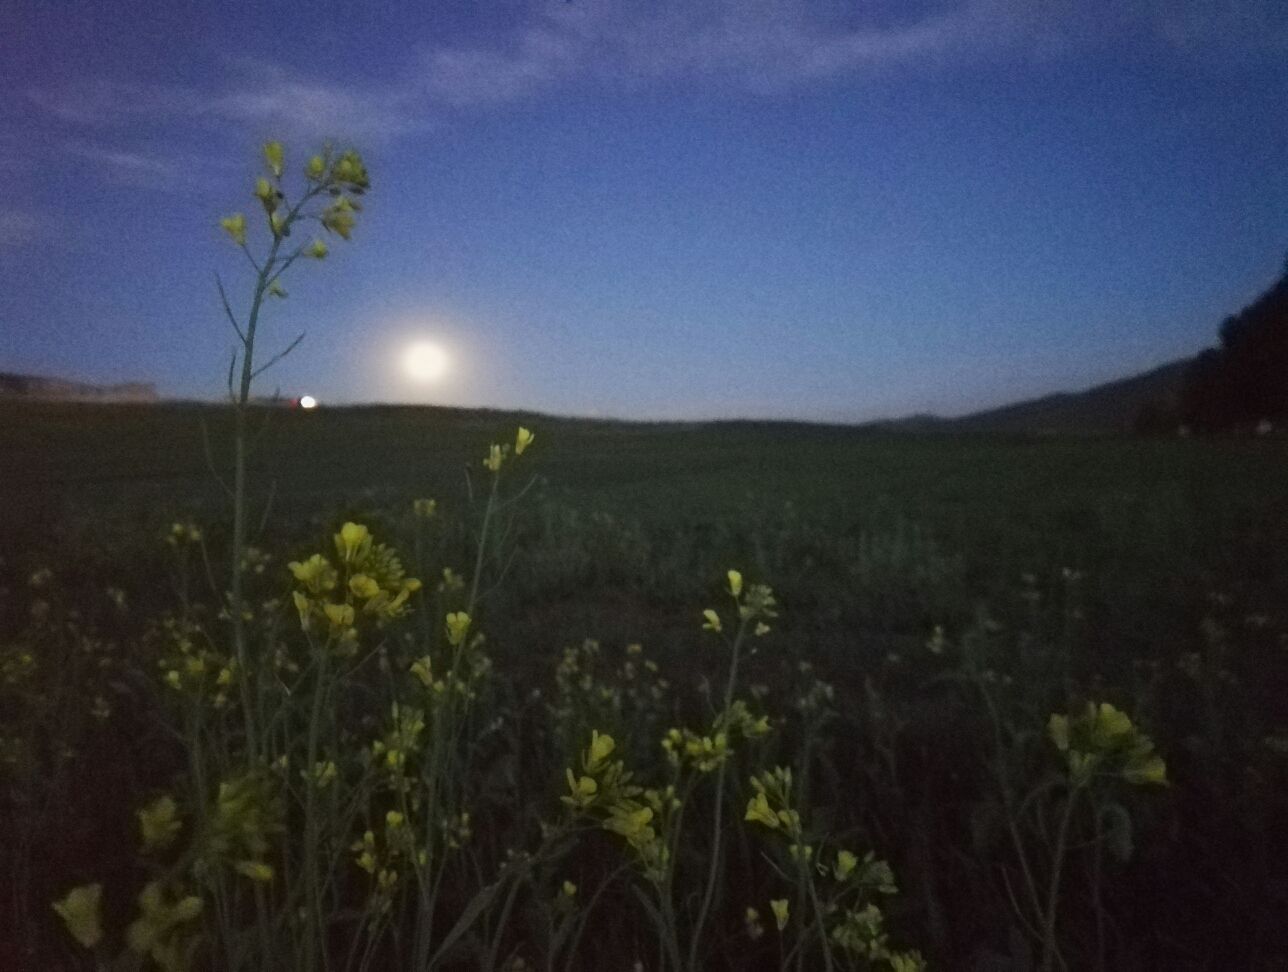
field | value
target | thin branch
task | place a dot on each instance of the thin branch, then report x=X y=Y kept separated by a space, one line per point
x=228 y=310
x=232 y=367
x=249 y=256
x=277 y=357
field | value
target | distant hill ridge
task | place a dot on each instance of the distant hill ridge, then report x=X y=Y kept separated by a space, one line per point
x=1115 y=406
x=41 y=388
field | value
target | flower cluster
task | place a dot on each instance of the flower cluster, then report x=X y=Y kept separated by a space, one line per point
x=369 y=582
x=603 y=789
x=1101 y=741
x=339 y=177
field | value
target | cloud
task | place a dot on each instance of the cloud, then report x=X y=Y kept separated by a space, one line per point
x=259 y=96
x=755 y=45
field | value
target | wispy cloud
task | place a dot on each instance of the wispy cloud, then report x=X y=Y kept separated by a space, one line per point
x=259 y=96
x=756 y=45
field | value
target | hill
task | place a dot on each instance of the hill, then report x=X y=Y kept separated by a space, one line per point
x=1113 y=407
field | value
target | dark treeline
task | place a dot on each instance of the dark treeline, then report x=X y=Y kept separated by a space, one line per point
x=1244 y=381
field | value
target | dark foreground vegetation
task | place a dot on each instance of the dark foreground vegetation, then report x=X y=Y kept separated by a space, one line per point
x=938 y=601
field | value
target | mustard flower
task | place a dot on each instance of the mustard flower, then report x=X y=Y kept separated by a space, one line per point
x=153 y=932
x=422 y=668
x=81 y=912
x=846 y=862
x=363 y=586
x=340 y=615
x=569 y=889
x=235 y=226
x=159 y=823
x=317 y=250
x=315 y=573
x=601 y=747
x=781 y=912
x=523 y=438
x=712 y=621
x=424 y=508
x=316 y=168
x=751 y=919
x=353 y=542
x=458 y=626
x=339 y=220
x=735 y=583
x=495 y=457
x=582 y=791
x=759 y=811
x=273 y=155
x=265 y=193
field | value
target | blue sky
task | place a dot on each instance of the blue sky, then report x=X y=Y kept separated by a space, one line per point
x=663 y=209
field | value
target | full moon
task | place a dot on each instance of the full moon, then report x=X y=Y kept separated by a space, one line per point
x=425 y=361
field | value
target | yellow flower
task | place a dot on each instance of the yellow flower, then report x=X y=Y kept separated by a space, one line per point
x=758 y=810
x=339 y=220
x=712 y=622
x=304 y=606
x=846 y=862
x=1109 y=726
x=316 y=168
x=353 y=541
x=494 y=458
x=273 y=156
x=394 y=819
x=570 y=889
x=159 y=822
x=582 y=790
x=255 y=870
x=522 y=440
x=316 y=573
x=235 y=226
x=340 y=615
x=422 y=668
x=601 y=747
x=152 y=933
x=317 y=250
x=761 y=629
x=780 y=910
x=1147 y=768
x=264 y=192
x=458 y=625
x=363 y=586
x=735 y=583
x=80 y=911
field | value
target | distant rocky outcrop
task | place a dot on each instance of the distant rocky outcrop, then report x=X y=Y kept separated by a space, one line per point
x=40 y=388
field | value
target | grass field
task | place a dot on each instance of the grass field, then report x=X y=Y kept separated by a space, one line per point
x=1148 y=572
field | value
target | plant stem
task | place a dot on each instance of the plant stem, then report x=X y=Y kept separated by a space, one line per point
x=1049 y=951
x=714 y=870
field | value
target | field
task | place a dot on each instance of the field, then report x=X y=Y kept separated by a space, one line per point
x=939 y=598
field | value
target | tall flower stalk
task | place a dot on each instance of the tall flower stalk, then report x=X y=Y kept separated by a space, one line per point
x=329 y=198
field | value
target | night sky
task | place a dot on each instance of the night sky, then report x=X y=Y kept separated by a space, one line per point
x=651 y=209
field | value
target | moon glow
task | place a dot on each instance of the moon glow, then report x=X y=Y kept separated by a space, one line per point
x=425 y=362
